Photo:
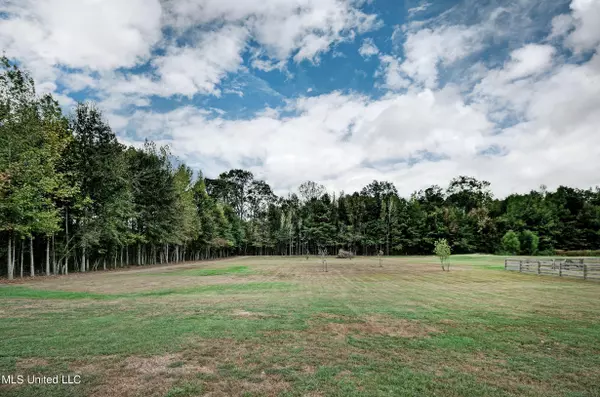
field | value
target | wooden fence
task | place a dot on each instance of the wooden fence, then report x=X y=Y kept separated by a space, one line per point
x=586 y=268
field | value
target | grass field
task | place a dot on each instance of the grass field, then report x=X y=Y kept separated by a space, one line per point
x=280 y=326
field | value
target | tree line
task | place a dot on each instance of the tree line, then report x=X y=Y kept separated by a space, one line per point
x=73 y=198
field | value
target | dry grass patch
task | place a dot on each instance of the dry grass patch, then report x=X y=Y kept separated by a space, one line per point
x=244 y=313
x=380 y=325
x=137 y=375
x=267 y=385
x=25 y=364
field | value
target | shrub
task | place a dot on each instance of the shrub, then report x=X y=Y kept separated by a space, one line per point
x=529 y=242
x=510 y=243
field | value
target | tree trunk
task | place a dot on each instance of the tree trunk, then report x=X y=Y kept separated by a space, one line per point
x=14 y=255
x=22 y=255
x=66 y=271
x=31 y=264
x=9 y=258
x=83 y=261
x=54 y=267
x=47 y=256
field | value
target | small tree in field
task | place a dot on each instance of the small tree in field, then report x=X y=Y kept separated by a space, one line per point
x=442 y=251
x=510 y=243
x=323 y=254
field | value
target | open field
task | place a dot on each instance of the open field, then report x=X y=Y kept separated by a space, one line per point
x=280 y=326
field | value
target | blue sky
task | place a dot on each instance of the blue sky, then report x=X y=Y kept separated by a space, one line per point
x=337 y=91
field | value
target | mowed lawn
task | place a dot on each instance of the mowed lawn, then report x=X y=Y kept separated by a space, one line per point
x=280 y=326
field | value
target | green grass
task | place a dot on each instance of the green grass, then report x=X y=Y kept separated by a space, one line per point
x=209 y=272
x=359 y=330
x=30 y=293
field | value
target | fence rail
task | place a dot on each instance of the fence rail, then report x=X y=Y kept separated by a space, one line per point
x=586 y=268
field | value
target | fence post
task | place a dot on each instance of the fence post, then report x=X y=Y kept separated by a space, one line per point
x=505 y=260
x=539 y=265
x=520 y=265
x=584 y=271
x=560 y=268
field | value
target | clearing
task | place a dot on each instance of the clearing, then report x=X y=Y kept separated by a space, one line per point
x=275 y=326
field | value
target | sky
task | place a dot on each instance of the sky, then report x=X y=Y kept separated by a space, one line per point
x=341 y=92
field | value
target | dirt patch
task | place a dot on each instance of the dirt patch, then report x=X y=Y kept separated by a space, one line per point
x=342 y=374
x=154 y=365
x=447 y=321
x=244 y=313
x=380 y=325
x=25 y=364
x=330 y=315
x=206 y=370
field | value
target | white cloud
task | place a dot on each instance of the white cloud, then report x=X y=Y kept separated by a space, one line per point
x=81 y=33
x=425 y=49
x=415 y=10
x=103 y=36
x=190 y=70
x=368 y=48
x=586 y=19
x=343 y=140
x=394 y=77
x=526 y=61
x=180 y=71
x=509 y=89
x=301 y=29
x=561 y=24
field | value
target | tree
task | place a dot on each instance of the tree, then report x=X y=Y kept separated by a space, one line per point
x=468 y=193
x=155 y=200
x=442 y=251
x=72 y=194
x=310 y=190
x=233 y=188
x=33 y=135
x=98 y=165
x=510 y=243
x=529 y=242
x=323 y=255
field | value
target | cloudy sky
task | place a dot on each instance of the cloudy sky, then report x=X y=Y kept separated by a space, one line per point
x=337 y=91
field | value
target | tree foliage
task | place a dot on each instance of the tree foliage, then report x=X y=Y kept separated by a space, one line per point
x=529 y=242
x=74 y=198
x=510 y=243
x=442 y=251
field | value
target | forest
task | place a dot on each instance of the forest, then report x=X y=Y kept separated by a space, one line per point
x=73 y=198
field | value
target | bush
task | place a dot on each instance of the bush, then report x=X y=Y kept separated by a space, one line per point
x=529 y=242
x=510 y=243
